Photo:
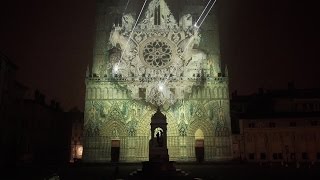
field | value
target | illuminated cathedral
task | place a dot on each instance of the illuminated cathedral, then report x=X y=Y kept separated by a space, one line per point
x=152 y=54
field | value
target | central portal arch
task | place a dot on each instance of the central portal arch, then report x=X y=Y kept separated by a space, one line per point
x=199 y=145
x=201 y=137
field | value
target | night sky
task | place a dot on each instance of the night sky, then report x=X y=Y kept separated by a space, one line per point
x=265 y=43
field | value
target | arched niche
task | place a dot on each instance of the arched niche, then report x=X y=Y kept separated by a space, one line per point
x=199 y=135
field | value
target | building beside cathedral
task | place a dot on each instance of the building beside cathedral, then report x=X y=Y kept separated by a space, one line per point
x=150 y=54
x=281 y=125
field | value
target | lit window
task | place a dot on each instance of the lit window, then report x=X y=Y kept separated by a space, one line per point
x=79 y=151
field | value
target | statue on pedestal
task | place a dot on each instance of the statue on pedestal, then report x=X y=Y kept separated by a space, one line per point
x=158 y=150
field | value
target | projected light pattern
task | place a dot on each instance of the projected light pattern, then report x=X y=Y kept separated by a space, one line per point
x=197 y=24
x=157 y=54
x=153 y=59
x=167 y=57
x=135 y=25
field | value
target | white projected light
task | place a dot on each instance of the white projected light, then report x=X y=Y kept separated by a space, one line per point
x=116 y=68
x=148 y=55
x=161 y=86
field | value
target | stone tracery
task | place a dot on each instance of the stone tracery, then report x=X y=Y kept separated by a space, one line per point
x=157 y=54
x=156 y=65
x=167 y=55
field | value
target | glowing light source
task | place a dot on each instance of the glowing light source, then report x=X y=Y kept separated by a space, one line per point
x=208 y=12
x=79 y=151
x=116 y=68
x=161 y=86
x=196 y=24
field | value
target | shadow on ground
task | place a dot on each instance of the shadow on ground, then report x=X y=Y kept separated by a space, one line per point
x=210 y=171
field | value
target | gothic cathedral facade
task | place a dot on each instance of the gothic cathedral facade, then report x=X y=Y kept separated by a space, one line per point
x=150 y=54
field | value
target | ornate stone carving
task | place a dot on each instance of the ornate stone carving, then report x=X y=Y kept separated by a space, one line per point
x=154 y=64
x=157 y=53
x=153 y=54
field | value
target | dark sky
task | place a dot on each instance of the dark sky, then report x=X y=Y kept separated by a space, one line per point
x=265 y=43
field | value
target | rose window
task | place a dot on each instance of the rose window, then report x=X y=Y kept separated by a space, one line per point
x=157 y=53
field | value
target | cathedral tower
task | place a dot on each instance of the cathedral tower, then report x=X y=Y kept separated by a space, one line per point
x=149 y=54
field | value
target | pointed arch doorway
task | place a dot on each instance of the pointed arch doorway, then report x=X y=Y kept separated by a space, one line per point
x=115 y=150
x=115 y=145
x=199 y=145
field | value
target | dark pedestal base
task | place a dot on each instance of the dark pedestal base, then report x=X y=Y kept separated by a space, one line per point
x=150 y=167
x=158 y=170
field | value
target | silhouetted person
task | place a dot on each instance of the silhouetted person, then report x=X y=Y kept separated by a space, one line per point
x=158 y=138
x=161 y=138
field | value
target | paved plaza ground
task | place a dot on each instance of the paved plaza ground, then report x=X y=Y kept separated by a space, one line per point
x=210 y=171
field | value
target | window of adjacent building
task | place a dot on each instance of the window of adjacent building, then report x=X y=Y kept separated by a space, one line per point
x=252 y=125
x=251 y=156
x=293 y=124
x=272 y=124
x=263 y=156
x=304 y=155
x=311 y=107
x=277 y=156
x=314 y=123
x=305 y=108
